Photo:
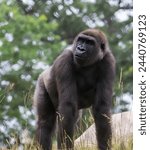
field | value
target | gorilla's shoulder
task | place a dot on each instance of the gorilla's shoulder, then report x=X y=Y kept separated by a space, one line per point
x=45 y=72
x=45 y=76
x=63 y=60
x=66 y=55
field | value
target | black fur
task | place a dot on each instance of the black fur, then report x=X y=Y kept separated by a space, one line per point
x=79 y=78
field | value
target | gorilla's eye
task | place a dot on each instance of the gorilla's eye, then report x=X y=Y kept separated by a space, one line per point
x=90 y=42
x=85 y=40
x=81 y=40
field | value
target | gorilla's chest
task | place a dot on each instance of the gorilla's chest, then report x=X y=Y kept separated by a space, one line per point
x=86 y=87
x=85 y=82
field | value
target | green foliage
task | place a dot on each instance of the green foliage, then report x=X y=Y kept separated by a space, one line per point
x=27 y=43
x=33 y=34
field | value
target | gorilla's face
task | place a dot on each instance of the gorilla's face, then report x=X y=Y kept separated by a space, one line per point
x=85 y=50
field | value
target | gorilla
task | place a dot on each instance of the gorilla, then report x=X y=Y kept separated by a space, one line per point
x=80 y=77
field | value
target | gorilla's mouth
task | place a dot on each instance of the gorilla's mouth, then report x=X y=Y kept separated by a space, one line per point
x=81 y=56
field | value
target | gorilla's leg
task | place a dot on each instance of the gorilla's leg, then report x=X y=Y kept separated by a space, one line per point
x=46 y=116
x=103 y=127
x=66 y=121
x=45 y=130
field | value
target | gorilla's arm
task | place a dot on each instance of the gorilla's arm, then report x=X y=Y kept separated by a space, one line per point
x=67 y=97
x=46 y=114
x=102 y=106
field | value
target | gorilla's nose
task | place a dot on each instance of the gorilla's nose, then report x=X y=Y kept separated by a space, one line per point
x=81 y=48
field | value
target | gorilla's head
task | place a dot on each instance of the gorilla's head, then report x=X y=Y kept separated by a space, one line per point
x=89 y=46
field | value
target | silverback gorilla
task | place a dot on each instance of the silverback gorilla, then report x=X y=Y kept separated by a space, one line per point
x=79 y=78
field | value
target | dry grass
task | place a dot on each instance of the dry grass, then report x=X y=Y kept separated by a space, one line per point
x=120 y=145
x=122 y=141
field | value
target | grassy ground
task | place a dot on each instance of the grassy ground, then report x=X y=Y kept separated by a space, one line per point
x=116 y=145
x=119 y=145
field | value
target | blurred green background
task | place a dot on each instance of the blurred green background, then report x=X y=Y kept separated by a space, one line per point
x=34 y=32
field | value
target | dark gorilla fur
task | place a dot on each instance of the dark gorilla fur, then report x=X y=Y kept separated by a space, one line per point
x=79 y=78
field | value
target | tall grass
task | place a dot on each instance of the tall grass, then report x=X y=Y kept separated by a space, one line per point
x=120 y=145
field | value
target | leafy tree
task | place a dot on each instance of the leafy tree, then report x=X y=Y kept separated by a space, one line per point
x=28 y=43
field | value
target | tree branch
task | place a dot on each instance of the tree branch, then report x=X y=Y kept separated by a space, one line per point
x=126 y=7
